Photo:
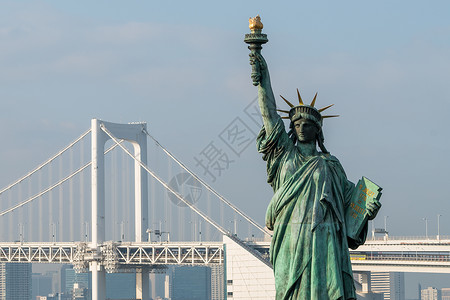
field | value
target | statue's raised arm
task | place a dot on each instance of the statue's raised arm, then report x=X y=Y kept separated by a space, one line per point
x=260 y=74
x=266 y=98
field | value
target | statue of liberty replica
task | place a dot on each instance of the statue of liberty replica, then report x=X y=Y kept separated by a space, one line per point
x=316 y=213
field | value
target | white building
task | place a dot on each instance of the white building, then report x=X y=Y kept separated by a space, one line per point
x=391 y=284
x=248 y=276
x=430 y=293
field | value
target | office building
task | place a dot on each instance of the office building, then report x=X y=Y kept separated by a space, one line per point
x=15 y=281
x=42 y=284
x=70 y=277
x=391 y=284
x=157 y=288
x=121 y=285
x=430 y=293
x=79 y=293
x=217 y=282
x=118 y=285
x=445 y=294
x=191 y=283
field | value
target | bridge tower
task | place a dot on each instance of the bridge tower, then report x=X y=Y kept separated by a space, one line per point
x=135 y=134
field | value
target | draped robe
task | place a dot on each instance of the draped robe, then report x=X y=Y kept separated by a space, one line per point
x=309 y=249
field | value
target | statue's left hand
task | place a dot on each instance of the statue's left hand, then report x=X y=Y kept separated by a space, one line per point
x=372 y=208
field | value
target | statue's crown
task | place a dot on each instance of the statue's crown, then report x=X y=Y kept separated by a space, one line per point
x=304 y=111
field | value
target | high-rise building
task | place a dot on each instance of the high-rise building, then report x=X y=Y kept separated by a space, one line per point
x=391 y=284
x=157 y=284
x=70 y=277
x=15 y=281
x=445 y=293
x=42 y=284
x=191 y=283
x=217 y=282
x=79 y=293
x=118 y=285
x=121 y=285
x=56 y=280
x=430 y=293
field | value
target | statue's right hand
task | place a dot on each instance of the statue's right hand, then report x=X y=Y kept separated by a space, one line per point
x=259 y=67
x=253 y=58
x=256 y=57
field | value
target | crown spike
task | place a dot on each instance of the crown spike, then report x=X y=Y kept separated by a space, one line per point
x=300 y=98
x=326 y=107
x=288 y=103
x=333 y=116
x=314 y=101
x=283 y=111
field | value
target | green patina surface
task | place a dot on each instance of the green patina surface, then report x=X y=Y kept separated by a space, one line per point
x=309 y=249
x=312 y=198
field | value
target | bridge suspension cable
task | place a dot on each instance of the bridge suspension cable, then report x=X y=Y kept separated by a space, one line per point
x=205 y=217
x=208 y=187
x=118 y=143
x=55 y=185
x=45 y=163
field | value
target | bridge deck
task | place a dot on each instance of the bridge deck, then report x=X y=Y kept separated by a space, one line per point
x=393 y=255
x=114 y=255
x=403 y=255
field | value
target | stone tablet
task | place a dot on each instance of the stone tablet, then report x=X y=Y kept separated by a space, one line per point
x=356 y=214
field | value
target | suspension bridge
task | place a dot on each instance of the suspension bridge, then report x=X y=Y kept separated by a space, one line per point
x=118 y=234
x=116 y=209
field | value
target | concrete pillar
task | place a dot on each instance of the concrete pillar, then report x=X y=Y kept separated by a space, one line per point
x=98 y=207
x=153 y=284
x=98 y=281
x=98 y=140
x=135 y=134
x=167 y=287
x=142 y=284
x=140 y=190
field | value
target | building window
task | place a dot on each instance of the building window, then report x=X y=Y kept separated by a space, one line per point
x=229 y=282
x=230 y=294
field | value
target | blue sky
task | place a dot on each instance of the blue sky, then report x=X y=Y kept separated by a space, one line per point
x=183 y=67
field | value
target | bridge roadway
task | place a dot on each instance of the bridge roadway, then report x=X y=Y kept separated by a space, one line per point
x=114 y=256
x=425 y=255
x=409 y=255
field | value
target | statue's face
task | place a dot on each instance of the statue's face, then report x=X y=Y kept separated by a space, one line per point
x=306 y=130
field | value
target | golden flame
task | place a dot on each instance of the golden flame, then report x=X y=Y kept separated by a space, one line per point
x=255 y=23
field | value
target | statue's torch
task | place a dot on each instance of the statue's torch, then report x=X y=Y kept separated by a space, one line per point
x=255 y=39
